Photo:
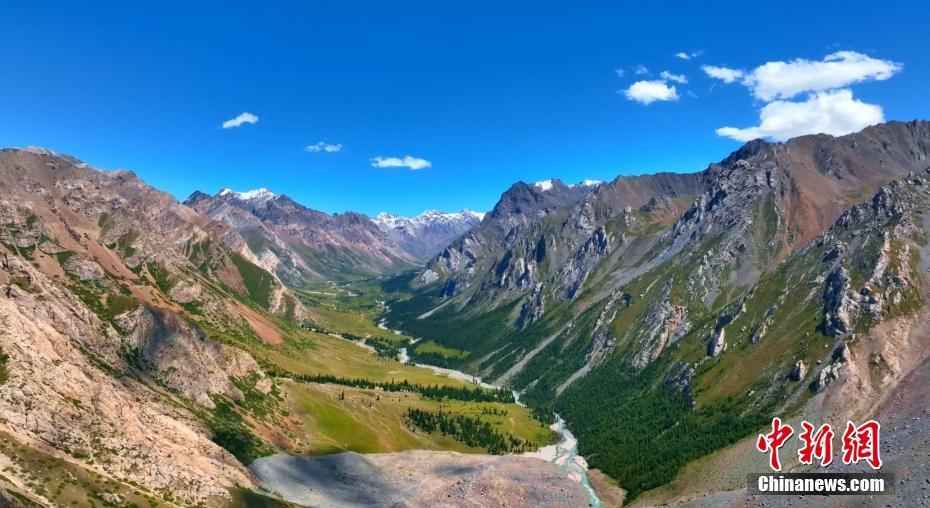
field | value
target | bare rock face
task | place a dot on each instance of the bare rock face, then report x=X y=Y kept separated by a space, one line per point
x=83 y=269
x=798 y=372
x=825 y=377
x=831 y=371
x=665 y=324
x=182 y=357
x=58 y=352
x=603 y=342
x=95 y=268
x=839 y=308
x=533 y=308
x=716 y=343
x=507 y=248
x=9 y=501
x=582 y=263
x=763 y=328
x=428 y=277
x=680 y=380
x=185 y=292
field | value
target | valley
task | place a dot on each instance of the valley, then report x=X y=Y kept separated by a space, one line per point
x=241 y=349
x=231 y=363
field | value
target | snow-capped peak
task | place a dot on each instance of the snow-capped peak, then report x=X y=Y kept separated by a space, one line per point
x=544 y=185
x=427 y=218
x=588 y=182
x=428 y=233
x=257 y=195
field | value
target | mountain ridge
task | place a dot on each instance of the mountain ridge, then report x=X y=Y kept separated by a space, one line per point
x=674 y=280
x=786 y=279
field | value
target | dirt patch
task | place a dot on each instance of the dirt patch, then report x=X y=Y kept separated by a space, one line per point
x=418 y=478
x=606 y=488
x=260 y=325
x=48 y=265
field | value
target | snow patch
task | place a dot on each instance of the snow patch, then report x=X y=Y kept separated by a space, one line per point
x=257 y=195
x=427 y=218
x=588 y=182
x=544 y=185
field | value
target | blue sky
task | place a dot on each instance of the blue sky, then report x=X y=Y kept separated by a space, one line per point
x=487 y=92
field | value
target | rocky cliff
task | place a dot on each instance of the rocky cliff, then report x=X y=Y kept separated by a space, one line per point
x=668 y=300
x=106 y=288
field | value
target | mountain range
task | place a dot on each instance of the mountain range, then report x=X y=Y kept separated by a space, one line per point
x=151 y=349
x=304 y=245
x=427 y=234
x=705 y=303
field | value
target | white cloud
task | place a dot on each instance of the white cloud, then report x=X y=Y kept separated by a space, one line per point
x=620 y=72
x=323 y=146
x=830 y=112
x=239 y=120
x=827 y=105
x=640 y=70
x=678 y=78
x=408 y=161
x=724 y=74
x=647 y=92
x=684 y=55
x=784 y=80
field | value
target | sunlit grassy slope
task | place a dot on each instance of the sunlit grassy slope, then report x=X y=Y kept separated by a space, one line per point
x=325 y=354
x=65 y=483
x=336 y=418
x=332 y=418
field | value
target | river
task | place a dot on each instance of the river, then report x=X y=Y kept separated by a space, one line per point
x=563 y=454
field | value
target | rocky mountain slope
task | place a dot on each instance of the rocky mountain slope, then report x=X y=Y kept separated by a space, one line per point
x=301 y=244
x=426 y=234
x=149 y=353
x=679 y=301
x=112 y=296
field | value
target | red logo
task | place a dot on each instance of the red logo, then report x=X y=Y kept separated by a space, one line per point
x=860 y=443
x=774 y=440
x=816 y=444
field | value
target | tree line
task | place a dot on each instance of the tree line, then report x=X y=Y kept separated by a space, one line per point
x=467 y=429
x=437 y=392
x=384 y=348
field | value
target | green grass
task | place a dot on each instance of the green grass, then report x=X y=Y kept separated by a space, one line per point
x=314 y=353
x=366 y=420
x=123 y=245
x=346 y=308
x=231 y=432
x=479 y=334
x=164 y=280
x=63 y=256
x=21 y=283
x=244 y=498
x=4 y=373
x=69 y=484
x=106 y=305
x=430 y=346
x=336 y=418
x=258 y=282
